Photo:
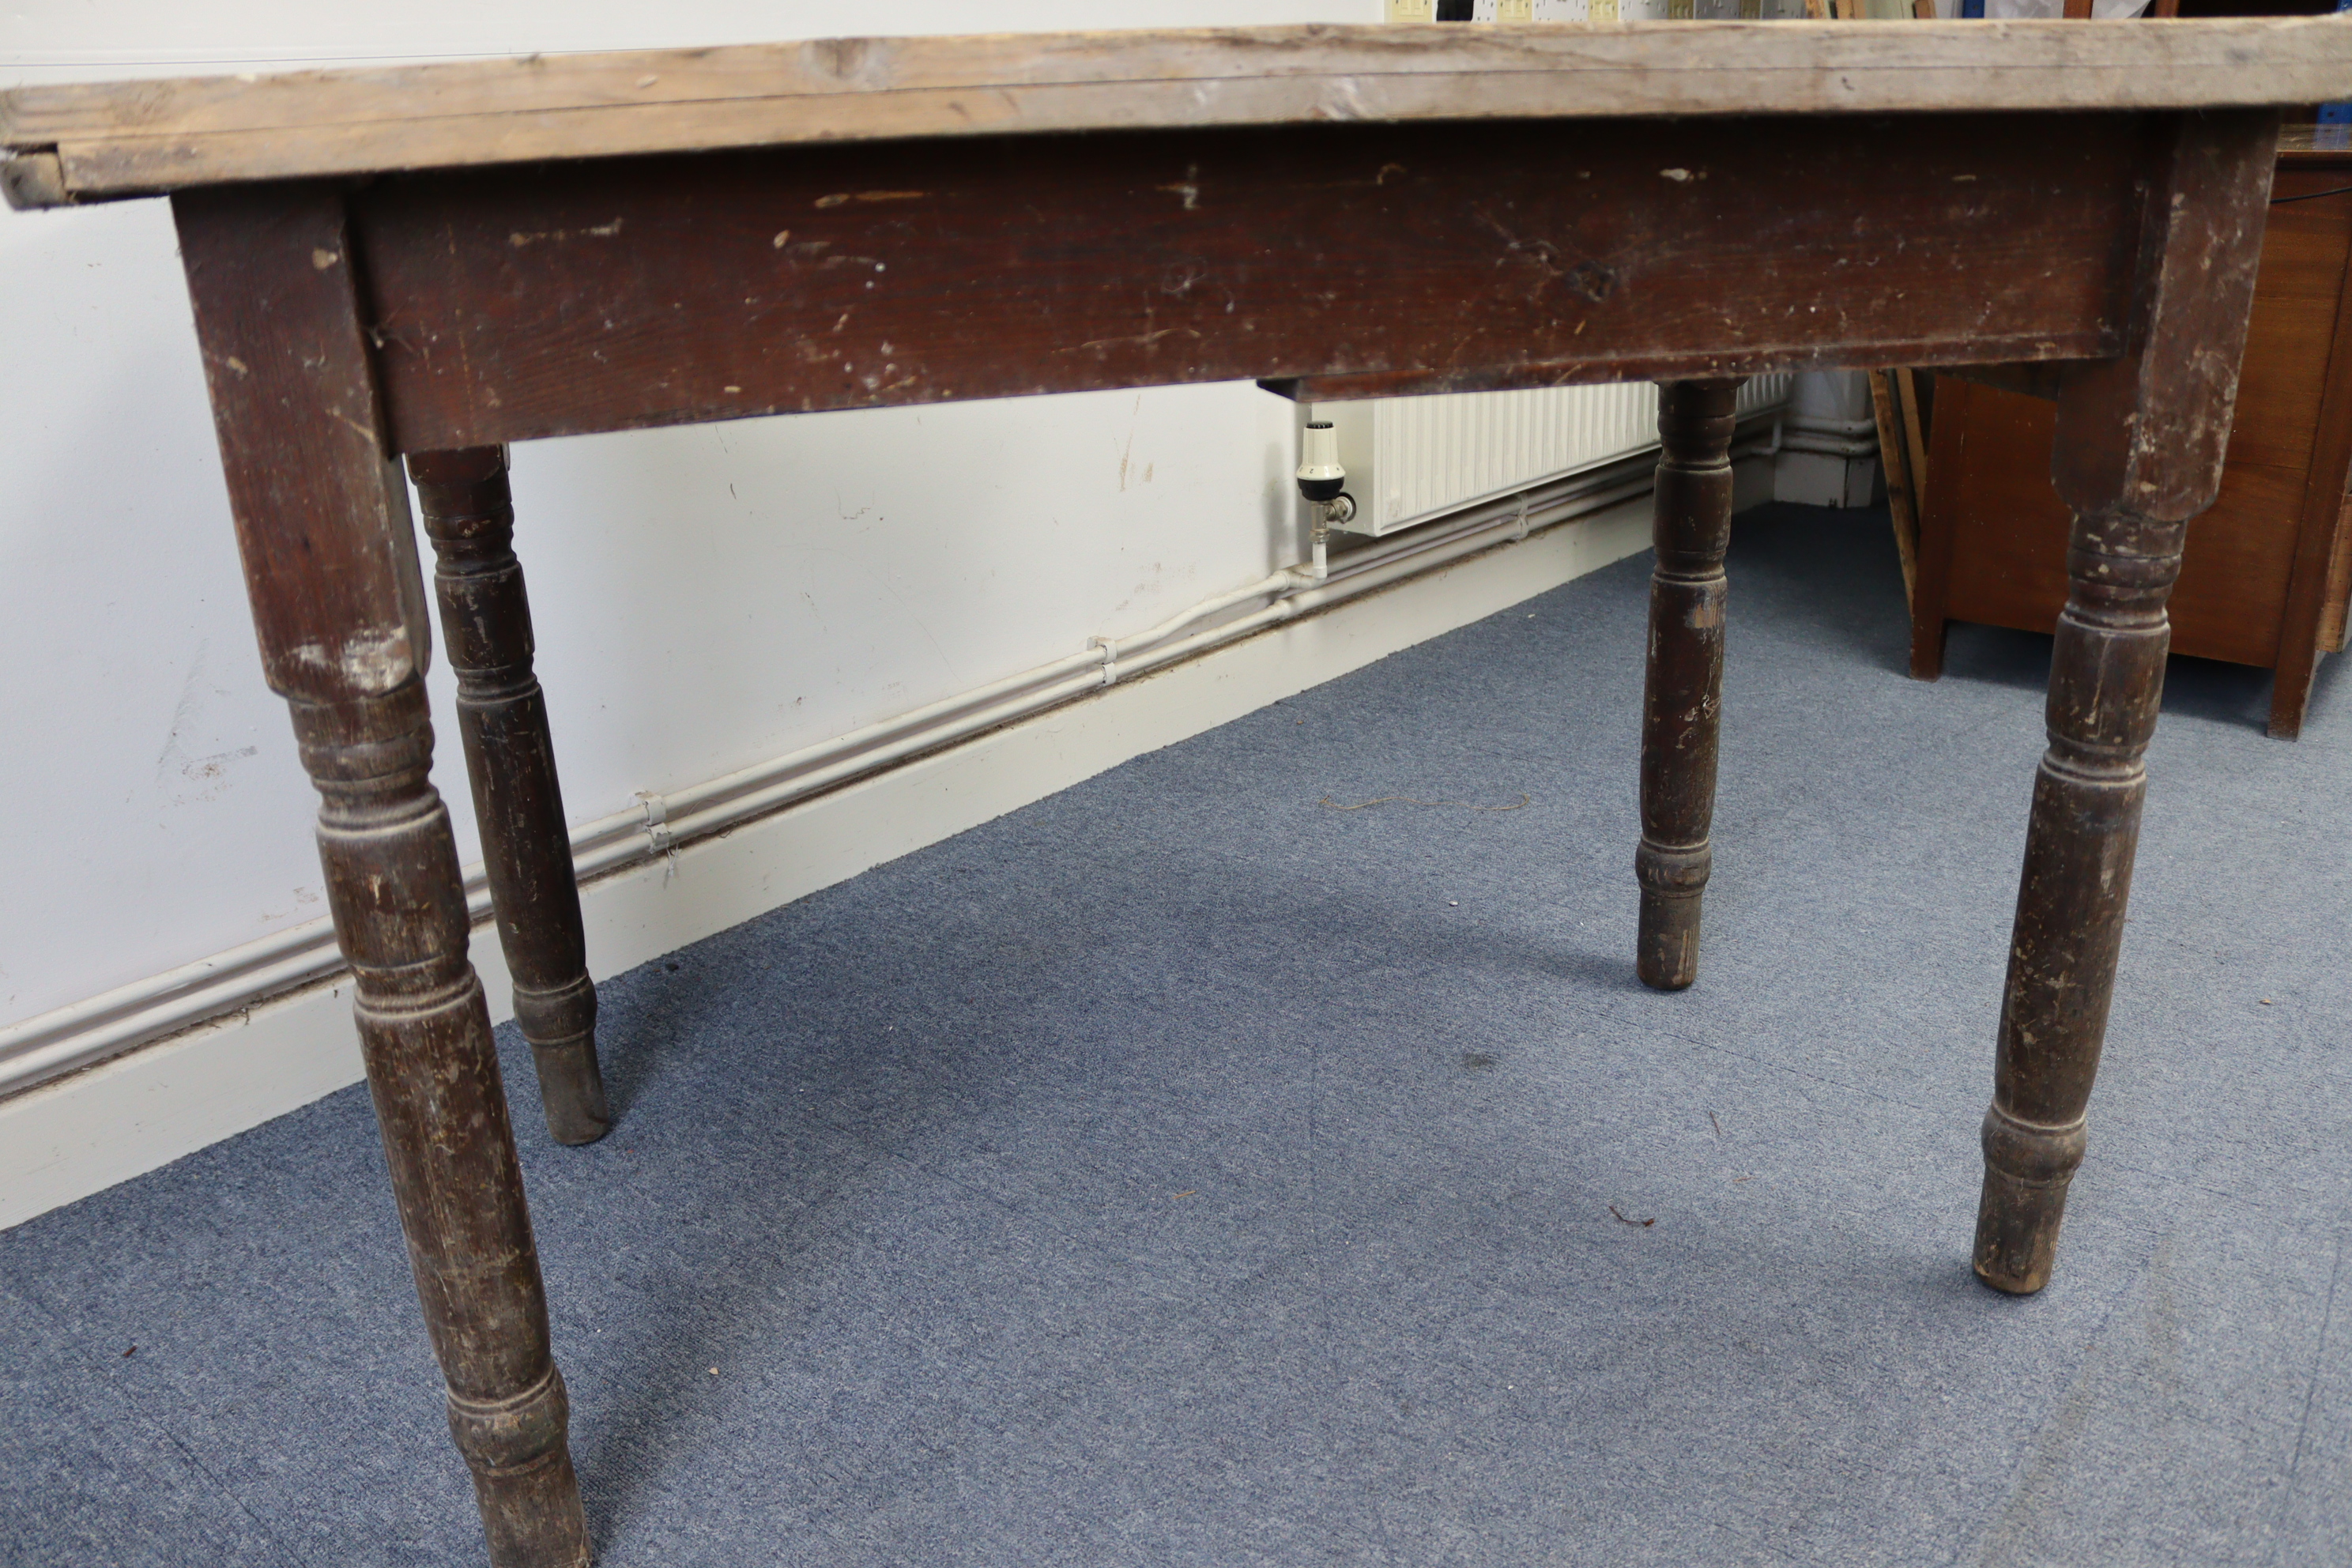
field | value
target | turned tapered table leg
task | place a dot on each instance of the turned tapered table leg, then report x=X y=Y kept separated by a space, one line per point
x=502 y=721
x=2106 y=678
x=1682 y=703
x=330 y=557
x=2138 y=453
x=400 y=912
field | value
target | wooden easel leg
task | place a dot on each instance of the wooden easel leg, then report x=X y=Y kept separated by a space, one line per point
x=502 y=721
x=330 y=557
x=1938 y=521
x=2138 y=453
x=1682 y=699
x=1902 y=491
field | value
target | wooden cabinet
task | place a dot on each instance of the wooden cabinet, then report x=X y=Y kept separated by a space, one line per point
x=2268 y=569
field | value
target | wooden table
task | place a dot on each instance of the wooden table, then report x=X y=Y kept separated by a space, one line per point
x=431 y=262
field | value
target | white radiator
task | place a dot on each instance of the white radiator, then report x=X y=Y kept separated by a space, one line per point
x=1410 y=459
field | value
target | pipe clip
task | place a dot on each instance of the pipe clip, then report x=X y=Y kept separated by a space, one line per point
x=1108 y=648
x=657 y=829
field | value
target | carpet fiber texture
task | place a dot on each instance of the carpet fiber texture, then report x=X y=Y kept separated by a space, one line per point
x=1204 y=1166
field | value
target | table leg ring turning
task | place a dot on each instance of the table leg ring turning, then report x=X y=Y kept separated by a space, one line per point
x=1682 y=704
x=2027 y=1169
x=560 y=1025
x=468 y=512
x=1673 y=880
x=2106 y=682
x=391 y=863
x=518 y=1451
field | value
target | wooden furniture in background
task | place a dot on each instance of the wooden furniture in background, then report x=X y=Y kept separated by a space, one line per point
x=1902 y=459
x=2269 y=570
x=431 y=261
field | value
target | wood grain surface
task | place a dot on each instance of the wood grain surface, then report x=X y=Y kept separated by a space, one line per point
x=515 y=304
x=328 y=552
x=1682 y=692
x=467 y=510
x=2138 y=453
x=322 y=520
x=99 y=142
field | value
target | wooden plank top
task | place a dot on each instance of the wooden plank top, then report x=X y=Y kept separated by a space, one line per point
x=98 y=143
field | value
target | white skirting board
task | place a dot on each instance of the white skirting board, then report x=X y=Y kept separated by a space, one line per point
x=115 y=1121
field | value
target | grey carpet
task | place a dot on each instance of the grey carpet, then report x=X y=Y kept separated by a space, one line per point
x=1182 y=1170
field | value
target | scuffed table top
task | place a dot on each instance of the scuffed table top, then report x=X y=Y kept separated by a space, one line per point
x=105 y=142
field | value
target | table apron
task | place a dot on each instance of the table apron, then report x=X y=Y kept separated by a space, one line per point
x=530 y=301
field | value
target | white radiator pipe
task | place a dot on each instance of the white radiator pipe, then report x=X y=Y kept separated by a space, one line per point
x=1829 y=445
x=1829 y=437
x=1770 y=447
x=67 y=1038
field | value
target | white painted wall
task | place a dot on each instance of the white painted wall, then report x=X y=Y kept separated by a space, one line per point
x=704 y=597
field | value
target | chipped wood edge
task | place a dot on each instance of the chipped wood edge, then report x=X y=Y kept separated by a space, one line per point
x=31 y=180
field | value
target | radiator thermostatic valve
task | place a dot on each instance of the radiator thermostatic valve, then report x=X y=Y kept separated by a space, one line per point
x=1321 y=480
